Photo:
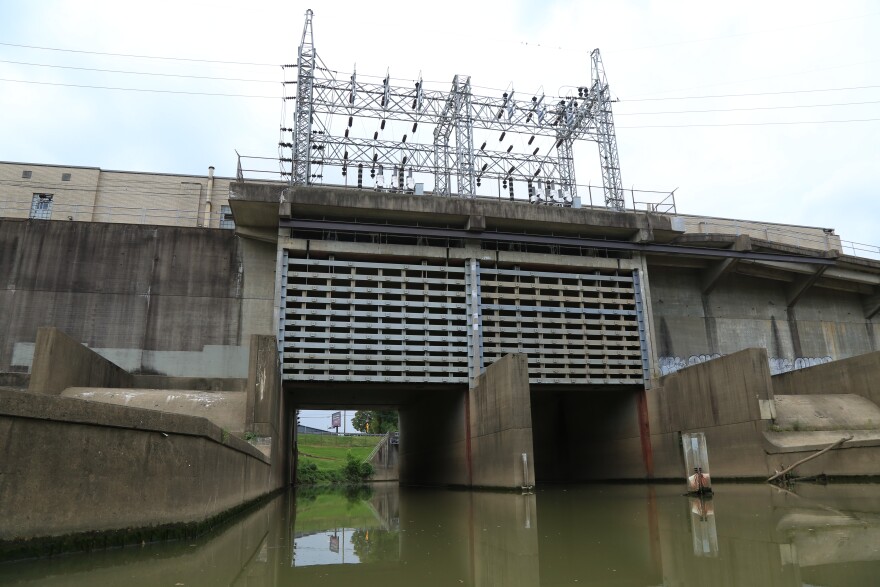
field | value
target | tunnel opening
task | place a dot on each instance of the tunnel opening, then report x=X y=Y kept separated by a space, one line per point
x=589 y=434
x=432 y=419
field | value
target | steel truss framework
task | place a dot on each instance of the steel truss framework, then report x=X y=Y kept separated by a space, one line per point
x=322 y=133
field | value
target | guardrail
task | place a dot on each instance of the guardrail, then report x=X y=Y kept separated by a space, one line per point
x=791 y=235
x=384 y=442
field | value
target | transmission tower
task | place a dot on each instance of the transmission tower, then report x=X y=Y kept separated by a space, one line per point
x=324 y=134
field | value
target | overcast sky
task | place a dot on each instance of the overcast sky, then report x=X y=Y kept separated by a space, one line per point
x=780 y=153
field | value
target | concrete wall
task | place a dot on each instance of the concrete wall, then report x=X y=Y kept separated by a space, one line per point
x=156 y=296
x=501 y=425
x=267 y=413
x=386 y=462
x=720 y=398
x=238 y=554
x=61 y=362
x=73 y=466
x=858 y=375
x=788 y=234
x=745 y=312
x=433 y=439
x=224 y=409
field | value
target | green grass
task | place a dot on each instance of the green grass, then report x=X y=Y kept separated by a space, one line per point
x=331 y=510
x=329 y=453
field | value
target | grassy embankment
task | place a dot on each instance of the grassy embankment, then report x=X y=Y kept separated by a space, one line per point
x=328 y=455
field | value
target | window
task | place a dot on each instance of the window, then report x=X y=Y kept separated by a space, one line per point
x=65 y=177
x=26 y=174
x=226 y=220
x=41 y=206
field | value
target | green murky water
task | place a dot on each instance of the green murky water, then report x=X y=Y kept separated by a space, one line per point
x=587 y=535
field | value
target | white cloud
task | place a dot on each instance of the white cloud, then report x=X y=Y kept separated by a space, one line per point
x=810 y=174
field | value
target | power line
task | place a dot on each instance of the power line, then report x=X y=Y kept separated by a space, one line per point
x=745 y=34
x=754 y=123
x=139 y=56
x=232 y=79
x=21 y=81
x=751 y=95
x=748 y=109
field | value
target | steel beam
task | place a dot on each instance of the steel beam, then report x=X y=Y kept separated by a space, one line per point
x=872 y=304
x=644 y=248
x=800 y=286
x=713 y=275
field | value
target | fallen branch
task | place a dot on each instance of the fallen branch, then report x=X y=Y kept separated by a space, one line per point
x=786 y=470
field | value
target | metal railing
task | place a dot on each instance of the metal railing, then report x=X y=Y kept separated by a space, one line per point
x=386 y=439
x=666 y=205
x=790 y=235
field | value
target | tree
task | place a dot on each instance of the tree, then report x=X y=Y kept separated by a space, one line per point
x=375 y=421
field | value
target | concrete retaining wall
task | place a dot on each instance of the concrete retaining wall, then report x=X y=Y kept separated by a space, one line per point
x=61 y=362
x=857 y=375
x=501 y=425
x=747 y=312
x=720 y=398
x=73 y=466
x=730 y=399
x=154 y=297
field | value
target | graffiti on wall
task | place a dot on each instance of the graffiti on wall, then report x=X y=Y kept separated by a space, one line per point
x=782 y=365
x=778 y=365
x=672 y=364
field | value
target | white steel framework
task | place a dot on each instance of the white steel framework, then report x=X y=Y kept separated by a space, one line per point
x=323 y=133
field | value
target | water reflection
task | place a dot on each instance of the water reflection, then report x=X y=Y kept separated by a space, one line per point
x=703 y=530
x=346 y=526
x=593 y=535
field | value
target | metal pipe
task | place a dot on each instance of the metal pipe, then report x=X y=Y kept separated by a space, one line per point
x=206 y=222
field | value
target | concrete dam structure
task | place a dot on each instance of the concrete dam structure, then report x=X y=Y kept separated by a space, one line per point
x=521 y=345
x=415 y=301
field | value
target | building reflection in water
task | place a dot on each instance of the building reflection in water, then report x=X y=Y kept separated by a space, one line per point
x=601 y=535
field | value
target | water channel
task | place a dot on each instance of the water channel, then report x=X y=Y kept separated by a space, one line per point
x=639 y=535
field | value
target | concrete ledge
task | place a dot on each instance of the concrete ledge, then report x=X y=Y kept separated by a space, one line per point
x=188 y=383
x=223 y=408
x=257 y=205
x=72 y=466
x=815 y=440
x=856 y=375
x=76 y=411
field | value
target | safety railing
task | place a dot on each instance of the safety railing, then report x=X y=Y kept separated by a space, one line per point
x=791 y=235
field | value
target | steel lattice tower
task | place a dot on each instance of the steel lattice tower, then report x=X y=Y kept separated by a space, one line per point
x=324 y=135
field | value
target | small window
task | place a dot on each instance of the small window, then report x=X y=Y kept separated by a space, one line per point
x=65 y=177
x=226 y=220
x=26 y=174
x=41 y=206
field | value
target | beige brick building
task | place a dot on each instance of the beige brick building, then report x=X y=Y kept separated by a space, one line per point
x=90 y=194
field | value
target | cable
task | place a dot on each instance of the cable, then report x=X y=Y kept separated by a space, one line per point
x=138 y=56
x=755 y=123
x=745 y=34
x=232 y=79
x=750 y=95
x=748 y=109
x=21 y=81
